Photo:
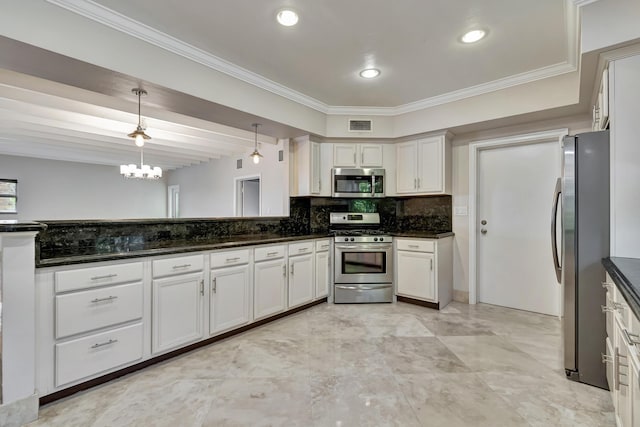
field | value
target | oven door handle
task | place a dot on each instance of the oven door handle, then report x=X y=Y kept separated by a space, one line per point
x=363 y=288
x=365 y=248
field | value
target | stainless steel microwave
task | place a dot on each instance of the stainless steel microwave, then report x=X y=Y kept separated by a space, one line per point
x=357 y=182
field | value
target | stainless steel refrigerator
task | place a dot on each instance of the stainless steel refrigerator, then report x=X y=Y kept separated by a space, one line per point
x=582 y=197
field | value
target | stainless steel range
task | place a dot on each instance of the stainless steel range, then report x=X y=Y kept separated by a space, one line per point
x=363 y=259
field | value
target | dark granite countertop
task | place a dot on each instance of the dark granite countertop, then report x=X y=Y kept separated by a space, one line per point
x=12 y=226
x=625 y=272
x=422 y=234
x=175 y=247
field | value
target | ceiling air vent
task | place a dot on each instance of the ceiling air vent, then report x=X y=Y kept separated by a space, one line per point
x=360 y=125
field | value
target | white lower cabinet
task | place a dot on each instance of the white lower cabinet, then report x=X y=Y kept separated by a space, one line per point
x=269 y=288
x=623 y=357
x=97 y=319
x=424 y=269
x=229 y=299
x=301 y=280
x=177 y=311
x=416 y=275
x=322 y=269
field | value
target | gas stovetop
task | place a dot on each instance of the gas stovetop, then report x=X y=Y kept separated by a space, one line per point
x=358 y=232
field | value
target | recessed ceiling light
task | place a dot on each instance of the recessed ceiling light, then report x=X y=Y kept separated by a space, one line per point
x=370 y=73
x=287 y=17
x=473 y=36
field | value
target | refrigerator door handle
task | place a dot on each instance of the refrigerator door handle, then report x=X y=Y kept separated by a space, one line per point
x=554 y=239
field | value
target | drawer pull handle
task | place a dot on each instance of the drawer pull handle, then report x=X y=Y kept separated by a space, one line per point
x=108 y=276
x=102 y=344
x=175 y=267
x=109 y=298
x=606 y=358
x=302 y=250
x=236 y=258
x=272 y=253
x=632 y=339
x=414 y=246
x=607 y=285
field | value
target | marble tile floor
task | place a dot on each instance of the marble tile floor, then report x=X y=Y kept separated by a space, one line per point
x=357 y=365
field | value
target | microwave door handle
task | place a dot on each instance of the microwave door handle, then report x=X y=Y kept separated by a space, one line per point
x=373 y=185
x=554 y=239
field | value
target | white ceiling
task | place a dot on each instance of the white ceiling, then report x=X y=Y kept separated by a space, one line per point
x=413 y=42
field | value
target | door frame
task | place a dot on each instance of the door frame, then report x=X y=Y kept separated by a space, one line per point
x=237 y=181
x=474 y=152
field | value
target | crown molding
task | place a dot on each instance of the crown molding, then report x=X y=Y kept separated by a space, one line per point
x=100 y=14
x=133 y=28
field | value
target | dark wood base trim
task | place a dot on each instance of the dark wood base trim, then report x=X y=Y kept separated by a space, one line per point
x=434 y=305
x=129 y=369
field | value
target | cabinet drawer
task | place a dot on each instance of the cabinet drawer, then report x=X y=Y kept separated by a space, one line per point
x=179 y=265
x=97 y=353
x=416 y=245
x=300 y=248
x=97 y=276
x=224 y=259
x=323 y=245
x=97 y=308
x=269 y=252
x=622 y=310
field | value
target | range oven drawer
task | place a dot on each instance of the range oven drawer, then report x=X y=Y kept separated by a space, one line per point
x=363 y=293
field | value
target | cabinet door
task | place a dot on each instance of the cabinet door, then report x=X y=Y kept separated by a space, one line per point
x=301 y=281
x=315 y=168
x=344 y=156
x=416 y=278
x=322 y=274
x=370 y=155
x=622 y=391
x=430 y=164
x=177 y=311
x=269 y=288
x=229 y=304
x=406 y=173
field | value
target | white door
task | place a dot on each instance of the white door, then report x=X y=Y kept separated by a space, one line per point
x=406 y=162
x=177 y=311
x=416 y=276
x=269 y=288
x=370 y=155
x=229 y=306
x=344 y=155
x=251 y=197
x=430 y=163
x=300 y=280
x=322 y=274
x=514 y=197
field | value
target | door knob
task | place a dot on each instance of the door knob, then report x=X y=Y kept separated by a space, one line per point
x=483 y=222
x=483 y=231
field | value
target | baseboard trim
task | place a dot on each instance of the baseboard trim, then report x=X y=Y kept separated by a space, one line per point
x=19 y=412
x=434 y=305
x=129 y=369
x=461 y=296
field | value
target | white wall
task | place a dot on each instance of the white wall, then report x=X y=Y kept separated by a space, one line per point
x=207 y=189
x=460 y=178
x=51 y=189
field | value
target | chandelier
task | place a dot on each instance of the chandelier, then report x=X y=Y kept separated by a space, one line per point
x=256 y=154
x=144 y=171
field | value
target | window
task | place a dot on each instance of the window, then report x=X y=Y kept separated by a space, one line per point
x=8 y=195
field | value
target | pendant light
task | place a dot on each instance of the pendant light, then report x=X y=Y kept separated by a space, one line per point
x=139 y=134
x=256 y=154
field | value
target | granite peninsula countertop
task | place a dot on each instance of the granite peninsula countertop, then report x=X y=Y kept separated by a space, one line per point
x=13 y=226
x=625 y=272
x=155 y=248
x=422 y=234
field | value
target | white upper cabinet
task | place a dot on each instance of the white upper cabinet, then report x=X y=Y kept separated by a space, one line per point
x=310 y=168
x=424 y=166
x=601 y=109
x=357 y=156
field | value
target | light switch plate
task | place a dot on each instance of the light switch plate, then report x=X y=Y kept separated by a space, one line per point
x=460 y=211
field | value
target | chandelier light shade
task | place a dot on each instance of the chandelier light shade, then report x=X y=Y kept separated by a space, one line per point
x=138 y=135
x=256 y=156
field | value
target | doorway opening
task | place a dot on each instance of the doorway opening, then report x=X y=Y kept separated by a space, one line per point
x=173 y=198
x=247 y=196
